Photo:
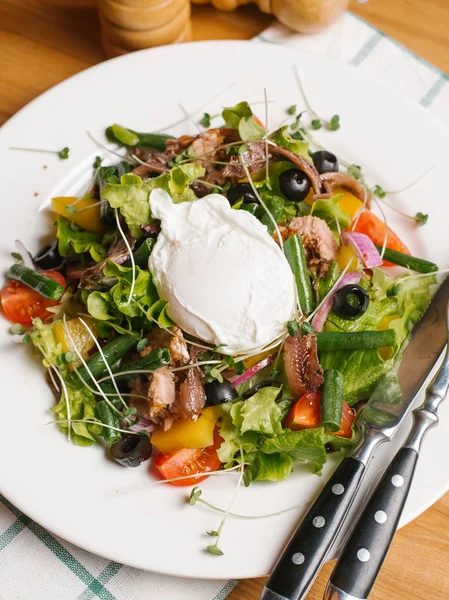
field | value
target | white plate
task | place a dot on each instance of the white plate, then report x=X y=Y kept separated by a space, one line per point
x=72 y=491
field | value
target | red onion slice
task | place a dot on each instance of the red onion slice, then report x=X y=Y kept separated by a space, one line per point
x=364 y=247
x=27 y=262
x=253 y=370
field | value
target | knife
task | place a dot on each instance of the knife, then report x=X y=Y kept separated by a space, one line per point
x=365 y=550
x=306 y=551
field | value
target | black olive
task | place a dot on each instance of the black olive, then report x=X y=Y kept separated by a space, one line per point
x=259 y=386
x=350 y=301
x=48 y=257
x=324 y=161
x=131 y=450
x=241 y=191
x=219 y=393
x=294 y=184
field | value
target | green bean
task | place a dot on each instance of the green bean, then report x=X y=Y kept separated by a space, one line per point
x=109 y=417
x=128 y=137
x=112 y=352
x=294 y=252
x=326 y=283
x=152 y=361
x=358 y=340
x=307 y=329
x=410 y=262
x=40 y=283
x=332 y=401
x=142 y=254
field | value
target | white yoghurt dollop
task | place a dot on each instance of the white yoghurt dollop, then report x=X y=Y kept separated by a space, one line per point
x=226 y=280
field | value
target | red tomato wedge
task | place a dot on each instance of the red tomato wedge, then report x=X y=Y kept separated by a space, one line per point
x=21 y=304
x=189 y=461
x=375 y=229
x=306 y=414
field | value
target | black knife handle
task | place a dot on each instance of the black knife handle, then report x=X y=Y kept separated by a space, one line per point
x=368 y=544
x=307 y=549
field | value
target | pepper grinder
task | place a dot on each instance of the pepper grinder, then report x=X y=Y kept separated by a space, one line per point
x=304 y=16
x=128 y=25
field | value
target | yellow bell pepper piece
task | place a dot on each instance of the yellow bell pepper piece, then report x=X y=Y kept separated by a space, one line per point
x=188 y=433
x=81 y=337
x=346 y=254
x=309 y=198
x=386 y=352
x=87 y=219
x=349 y=203
x=253 y=360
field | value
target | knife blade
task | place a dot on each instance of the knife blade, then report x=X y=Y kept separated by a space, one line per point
x=306 y=551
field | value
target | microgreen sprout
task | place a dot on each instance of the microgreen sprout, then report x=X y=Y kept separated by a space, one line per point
x=17 y=257
x=259 y=198
x=355 y=171
x=196 y=498
x=334 y=123
x=17 y=329
x=230 y=471
x=55 y=370
x=317 y=122
x=206 y=119
x=267 y=160
x=214 y=548
x=292 y=328
x=97 y=162
x=86 y=366
x=421 y=218
x=143 y=343
x=63 y=154
x=380 y=193
x=291 y=110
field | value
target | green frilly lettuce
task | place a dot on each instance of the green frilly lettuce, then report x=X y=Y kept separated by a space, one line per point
x=74 y=240
x=82 y=406
x=254 y=427
x=132 y=194
x=363 y=369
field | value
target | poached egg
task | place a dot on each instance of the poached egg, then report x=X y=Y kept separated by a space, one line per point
x=225 y=279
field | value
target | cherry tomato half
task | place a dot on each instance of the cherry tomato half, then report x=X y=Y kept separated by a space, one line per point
x=306 y=414
x=21 y=304
x=189 y=461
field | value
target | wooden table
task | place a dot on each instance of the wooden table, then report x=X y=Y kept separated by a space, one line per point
x=43 y=42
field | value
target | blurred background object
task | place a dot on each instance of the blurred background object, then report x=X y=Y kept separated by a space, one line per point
x=128 y=25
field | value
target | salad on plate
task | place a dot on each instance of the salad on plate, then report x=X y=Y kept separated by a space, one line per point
x=220 y=301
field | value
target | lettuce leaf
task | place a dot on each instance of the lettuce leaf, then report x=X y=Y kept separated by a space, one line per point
x=132 y=194
x=243 y=422
x=144 y=289
x=259 y=413
x=74 y=240
x=82 y=406
x=254 y=426
x=282 y=138
x=363 y=369
x=233 y=114
x=267 y=467
x=43 y=337
x=329 y=211
x=306 y=444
